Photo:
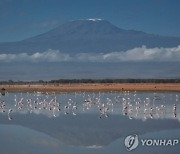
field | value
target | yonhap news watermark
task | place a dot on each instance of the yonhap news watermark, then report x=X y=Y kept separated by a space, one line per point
x=133 y=141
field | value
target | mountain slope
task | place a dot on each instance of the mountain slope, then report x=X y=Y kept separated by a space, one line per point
x=90 y=35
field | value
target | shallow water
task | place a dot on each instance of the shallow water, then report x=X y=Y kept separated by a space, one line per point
x=84 y=122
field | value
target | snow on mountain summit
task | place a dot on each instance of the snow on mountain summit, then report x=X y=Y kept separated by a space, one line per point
x=94 y=19
x=89 y=36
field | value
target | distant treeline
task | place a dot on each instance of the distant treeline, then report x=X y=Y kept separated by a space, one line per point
x=71 y=81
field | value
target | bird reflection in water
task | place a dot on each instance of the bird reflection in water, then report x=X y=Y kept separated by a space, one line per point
x=130 y=104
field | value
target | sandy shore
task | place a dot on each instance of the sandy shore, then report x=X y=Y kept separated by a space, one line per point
x=93 y=87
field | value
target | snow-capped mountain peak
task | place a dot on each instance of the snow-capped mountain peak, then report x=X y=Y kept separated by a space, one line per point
x=94 y=19
x=89 y=36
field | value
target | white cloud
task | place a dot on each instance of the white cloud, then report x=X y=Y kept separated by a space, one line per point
x=137 y=54
x=94 y=147
x=48 y=56
x=145 y=54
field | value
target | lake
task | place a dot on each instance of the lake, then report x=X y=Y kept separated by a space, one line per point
x=89 y=122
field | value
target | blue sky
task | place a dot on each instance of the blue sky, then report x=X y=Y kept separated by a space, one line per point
x=21 y=19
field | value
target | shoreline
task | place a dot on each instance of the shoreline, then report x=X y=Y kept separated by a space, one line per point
x=139 y=87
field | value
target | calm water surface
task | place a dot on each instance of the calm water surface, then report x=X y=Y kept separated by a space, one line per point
x=83 y=122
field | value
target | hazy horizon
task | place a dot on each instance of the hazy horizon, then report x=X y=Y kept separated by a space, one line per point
x=130 y=42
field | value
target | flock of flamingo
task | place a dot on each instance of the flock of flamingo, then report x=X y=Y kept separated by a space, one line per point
x=126 y=103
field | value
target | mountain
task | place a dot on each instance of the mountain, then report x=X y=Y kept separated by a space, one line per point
x=88 y=35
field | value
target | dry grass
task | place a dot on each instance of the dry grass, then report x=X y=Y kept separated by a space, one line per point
x=94 y=87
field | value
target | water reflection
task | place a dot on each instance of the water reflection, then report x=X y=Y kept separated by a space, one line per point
x=86 y=122
x=133 y=105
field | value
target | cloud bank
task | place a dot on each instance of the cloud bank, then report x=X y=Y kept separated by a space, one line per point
x=137 y=54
